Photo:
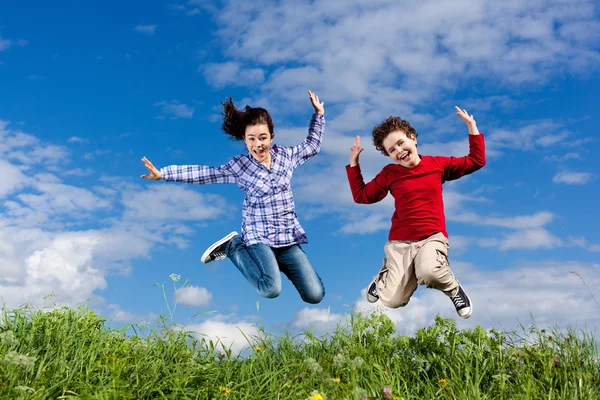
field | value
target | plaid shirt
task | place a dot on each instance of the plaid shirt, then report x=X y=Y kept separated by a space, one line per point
x=268 y=212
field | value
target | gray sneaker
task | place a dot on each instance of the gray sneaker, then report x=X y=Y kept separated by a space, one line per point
x=372 y=295
x=217 y=250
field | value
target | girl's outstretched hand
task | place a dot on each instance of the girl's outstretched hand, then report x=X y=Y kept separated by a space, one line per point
x=355 y=152
x=154 y=173
x=319 y=106
x=468 y=120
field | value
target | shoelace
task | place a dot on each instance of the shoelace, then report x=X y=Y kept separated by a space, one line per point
x=218 y=254
x=458 y=301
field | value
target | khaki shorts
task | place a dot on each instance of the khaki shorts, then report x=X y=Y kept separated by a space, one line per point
x=412 y=263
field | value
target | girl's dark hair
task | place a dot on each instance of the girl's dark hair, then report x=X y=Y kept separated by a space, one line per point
x=381 y=131
x=236 y=121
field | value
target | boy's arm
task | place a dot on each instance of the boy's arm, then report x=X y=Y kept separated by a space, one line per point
x=201 y=174
x=372 y=192
x=455 y=167
x=312 y=144
x=369 y=193
x=459 y=166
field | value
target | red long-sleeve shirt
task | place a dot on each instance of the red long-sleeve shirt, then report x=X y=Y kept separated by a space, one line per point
x=417 y=191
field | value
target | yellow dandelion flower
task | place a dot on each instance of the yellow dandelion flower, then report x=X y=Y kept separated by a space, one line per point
x=316 y=396
x=257 y=349
x=397 y=398
x=336 y=380
x=224 y=389
x=442 y=381
x=385 y=372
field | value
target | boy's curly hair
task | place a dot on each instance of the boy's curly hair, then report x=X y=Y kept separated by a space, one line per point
x=381 y=131
x=235 y=121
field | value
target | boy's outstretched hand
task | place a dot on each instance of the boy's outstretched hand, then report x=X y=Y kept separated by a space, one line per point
x=154 y=173
x=468 y=119
x=355 y=152
x=314 y=99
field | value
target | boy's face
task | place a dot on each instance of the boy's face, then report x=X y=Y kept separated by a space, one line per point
x=402 y=149
x=258 y=141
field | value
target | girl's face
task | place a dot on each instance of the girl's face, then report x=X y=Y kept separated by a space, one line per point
x=258 y=141
x=402 y=149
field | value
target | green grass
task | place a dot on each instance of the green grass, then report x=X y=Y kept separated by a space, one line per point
x=64 y=352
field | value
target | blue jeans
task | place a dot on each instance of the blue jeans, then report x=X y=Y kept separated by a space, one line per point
x=261 y=264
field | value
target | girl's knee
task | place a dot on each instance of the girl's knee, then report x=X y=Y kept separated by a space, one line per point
x=270 y=289
x=314 y=297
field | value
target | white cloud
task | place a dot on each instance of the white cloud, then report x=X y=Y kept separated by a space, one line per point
x=79 y=172
x=5 y=44
x=530 y=239
x=175 y=110
x=340 y=49
x=529 y=233
x=231 y=73
x=145 y=29
x=116 y=313
x=76 y=139
x=231 y=335
x=563 y=157
x=540 y=134
x=572 y=178
x=58 y=198
x=12 y=178
x=319 y=320
x=172 y=202
x=193 y=296
x=536 y=220
x=583 y=243
x=43 y=247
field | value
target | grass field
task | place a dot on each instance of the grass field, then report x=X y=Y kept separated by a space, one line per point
x=70 y=353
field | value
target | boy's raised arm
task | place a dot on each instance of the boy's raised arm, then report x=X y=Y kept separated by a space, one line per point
x=355 y=152
x=468 y=120
x=461 y=166
x=369 y=193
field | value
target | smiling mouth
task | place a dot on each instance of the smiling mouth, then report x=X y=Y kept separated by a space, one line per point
x=259 y=152
x=404 y=157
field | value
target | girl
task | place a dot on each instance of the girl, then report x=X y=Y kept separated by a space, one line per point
x=271 y=234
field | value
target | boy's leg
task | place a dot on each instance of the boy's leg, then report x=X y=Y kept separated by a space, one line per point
x=432 y=269
x=396 y=281
x=294 y=263
x=258 y=264
x=431 y=264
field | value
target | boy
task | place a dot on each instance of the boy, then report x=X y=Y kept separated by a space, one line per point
x=417 y=247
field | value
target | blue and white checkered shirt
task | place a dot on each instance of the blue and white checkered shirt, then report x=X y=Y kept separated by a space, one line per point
x=268 y=212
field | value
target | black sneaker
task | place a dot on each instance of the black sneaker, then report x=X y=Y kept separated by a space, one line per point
x=217 y=250
x=462 y=303
x=372 y=295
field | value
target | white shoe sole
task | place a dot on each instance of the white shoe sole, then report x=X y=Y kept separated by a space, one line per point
x=470 y=308
x=371 y=299
x=215 y=245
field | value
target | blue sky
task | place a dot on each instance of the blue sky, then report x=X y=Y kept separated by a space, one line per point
x=86 y=90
